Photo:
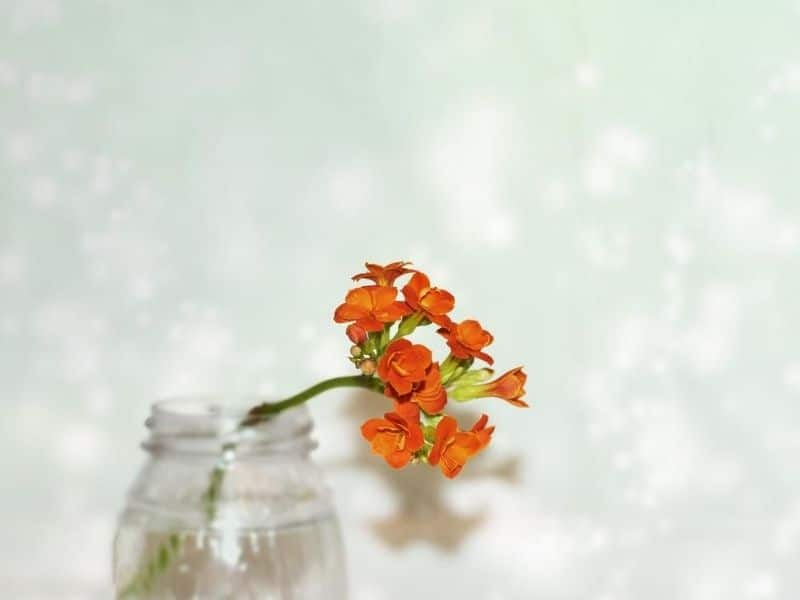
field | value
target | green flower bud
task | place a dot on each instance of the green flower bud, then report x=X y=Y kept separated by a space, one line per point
x=367 y=366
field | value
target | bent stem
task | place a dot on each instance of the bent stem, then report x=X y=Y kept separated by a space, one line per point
x=164 y=555
x=267 y=409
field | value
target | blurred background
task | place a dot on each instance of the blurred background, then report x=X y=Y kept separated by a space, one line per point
x=610 y=187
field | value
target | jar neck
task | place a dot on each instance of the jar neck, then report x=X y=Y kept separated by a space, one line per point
x=204 y=426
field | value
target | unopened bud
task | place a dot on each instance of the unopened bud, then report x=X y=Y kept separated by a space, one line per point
x=355 y=350
x=367 y=366
x=356 y=333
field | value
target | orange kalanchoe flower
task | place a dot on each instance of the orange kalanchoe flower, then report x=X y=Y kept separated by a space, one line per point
x=433 y=302
x=397 y=436
x=402 y=365
x=384 y=275
x=510 y=386
x=467 y=339
x=407 y=374
x=371 y=307
x=429 y=394
x=453 y=448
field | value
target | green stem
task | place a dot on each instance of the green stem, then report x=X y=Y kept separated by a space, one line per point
x=145 y=578
x=258 y=413
x=384 y=341
x=215 y=482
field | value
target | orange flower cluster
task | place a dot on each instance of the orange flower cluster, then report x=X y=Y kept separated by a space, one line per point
x=416 y=429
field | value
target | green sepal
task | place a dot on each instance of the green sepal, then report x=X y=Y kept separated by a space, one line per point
x=453 y=368
x=429 y=433
x=373 y=342
x=472 y=377
x=408 y=324
x=383 y=338
x=429 y=420
x=465 y=393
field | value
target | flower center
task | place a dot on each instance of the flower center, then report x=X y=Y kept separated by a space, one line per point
x=399 y=369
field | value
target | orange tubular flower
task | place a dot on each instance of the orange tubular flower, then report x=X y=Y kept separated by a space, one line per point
x=510 y=386
x=433 y=302
x=402 y=365
x=453 y=448
x=397 y=436
x=371 y=307
x=468 y=339
x=384 y=275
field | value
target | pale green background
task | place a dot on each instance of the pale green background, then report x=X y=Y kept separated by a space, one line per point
x=611 y=187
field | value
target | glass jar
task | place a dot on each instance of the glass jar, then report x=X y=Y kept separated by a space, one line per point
x=268 y=530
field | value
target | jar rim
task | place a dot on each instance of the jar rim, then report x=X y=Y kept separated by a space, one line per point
x=201 y=423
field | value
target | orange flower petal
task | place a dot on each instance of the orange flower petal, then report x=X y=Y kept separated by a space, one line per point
x=381 y=296
x=371 y=307
x=393 y=312
x=408 y=411
x=402 y=365
x=437 y=302
x=398 y=459
x=443 y=321
x=396 y=437
x=431 y=395
x=384 y=275
x=348 y=312
x=415 y=439
x=480 y=423
x=418 y=282
x=370 y=324
x=434 y=302
x=453 y=448
x=360 y=297
x=444 y=430
x=450 y=469
x=519 y=403
x=385 y=443
x=371 y=427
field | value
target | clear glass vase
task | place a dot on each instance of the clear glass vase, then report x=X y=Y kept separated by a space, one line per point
x=269 y=531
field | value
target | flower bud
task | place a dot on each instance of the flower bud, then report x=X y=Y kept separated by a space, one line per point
x=356 y=333
x=367 y=366
x=355 y=350
x=509 y=386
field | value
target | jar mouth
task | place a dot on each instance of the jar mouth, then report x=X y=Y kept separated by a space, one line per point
x=202 y=424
